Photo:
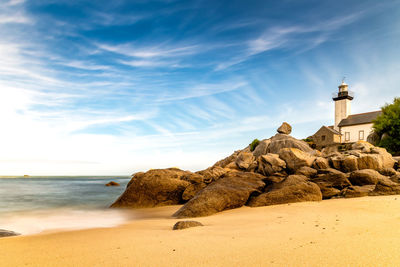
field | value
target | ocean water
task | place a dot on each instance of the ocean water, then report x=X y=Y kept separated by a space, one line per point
x=37 y=204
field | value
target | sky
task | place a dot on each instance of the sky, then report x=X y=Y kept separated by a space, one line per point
x=115 y=87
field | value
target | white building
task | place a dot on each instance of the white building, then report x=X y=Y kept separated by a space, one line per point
x=352 y=127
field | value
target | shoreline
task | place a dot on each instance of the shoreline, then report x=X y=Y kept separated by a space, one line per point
x=358 y=231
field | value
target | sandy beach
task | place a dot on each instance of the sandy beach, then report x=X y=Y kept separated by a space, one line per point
x=338 y=232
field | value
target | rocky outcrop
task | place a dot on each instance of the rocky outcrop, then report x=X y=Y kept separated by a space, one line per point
x=285 y=128
x=295 y=188
x=246 y=161
x=365 y=177
x=307 y=171
x=332 y=178
x=6 y=233
x=230 y=191
x=112 y=183
x=154 y=188
x=280 y=141
x=270 y=163
x=358 y=191
x=320 y=163
x=186 y=224
x=280 y=170
x=262 y=148
x=296 y=158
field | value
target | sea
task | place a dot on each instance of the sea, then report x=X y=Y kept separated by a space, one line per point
x=39 y=204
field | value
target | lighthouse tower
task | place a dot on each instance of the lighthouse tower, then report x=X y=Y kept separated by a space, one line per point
x=342 y=104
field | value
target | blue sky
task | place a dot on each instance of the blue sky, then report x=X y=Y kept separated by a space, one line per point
x=114 y=87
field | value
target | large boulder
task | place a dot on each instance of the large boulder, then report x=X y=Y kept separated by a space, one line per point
x=229 y=192
x=376 y=158
x=295 y=188
x=327 y=190
x=373 y=138
x=246 y=161
x=285 y=128
x=320 y=163
x=270 y=163
x=192 y=190
x=262 y=148
x=280 y=141
x=332 y=178
x=157 y=187
x=307 y=171
x=296 y=158
x=365 y=177
x=358 y=191
x=211 y=174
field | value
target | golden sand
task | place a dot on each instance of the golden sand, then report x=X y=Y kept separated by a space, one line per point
x=339 y=232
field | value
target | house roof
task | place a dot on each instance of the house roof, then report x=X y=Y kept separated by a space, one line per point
x=329 y=129
x=362 y=118
x=332 y=130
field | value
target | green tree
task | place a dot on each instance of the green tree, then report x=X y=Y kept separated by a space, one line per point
x=387 y=125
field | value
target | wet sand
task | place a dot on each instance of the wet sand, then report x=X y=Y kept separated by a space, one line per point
x=339 y=232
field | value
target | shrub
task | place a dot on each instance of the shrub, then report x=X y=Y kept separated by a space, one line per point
x=254 y=144
x=389 y=123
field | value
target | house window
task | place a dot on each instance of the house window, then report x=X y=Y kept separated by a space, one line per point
x=323 y=138
x=361 y=135
x=347 y=136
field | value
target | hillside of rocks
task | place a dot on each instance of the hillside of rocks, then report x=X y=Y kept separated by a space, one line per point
x=279 y=170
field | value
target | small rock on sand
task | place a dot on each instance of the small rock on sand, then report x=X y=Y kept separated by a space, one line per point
x=186 y=224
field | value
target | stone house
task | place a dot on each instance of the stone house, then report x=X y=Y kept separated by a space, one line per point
x=326 y=136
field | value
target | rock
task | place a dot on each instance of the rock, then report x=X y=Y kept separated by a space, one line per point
x=358 y=191
x=395 y=178
x=295 y=188
x=386 y=186
x=320 y=163
x=245 y=160
x=112 y=183
x=194 y=178
x=373 y=138
x=307 y=171
x=365 y=147
x=232 y=167
x=262 y=148
x=368 y=161
x=223 y=162
x=192 y=190
x=280 y=141
x=336 y=162
x=386 y=158
x=154 y=188
x=285 y=128
x=186 y=224
x=350 y=163
x=365 y=177
x=385 y=136
x=270 y=163
x=296 y=158
x=332 y=178
x=388 y=171
x=213 y=173
x=377 y=159
x=327 y=190
x=229 y=192
x=5 y=233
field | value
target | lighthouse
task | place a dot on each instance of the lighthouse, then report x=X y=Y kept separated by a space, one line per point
x=342 y=104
